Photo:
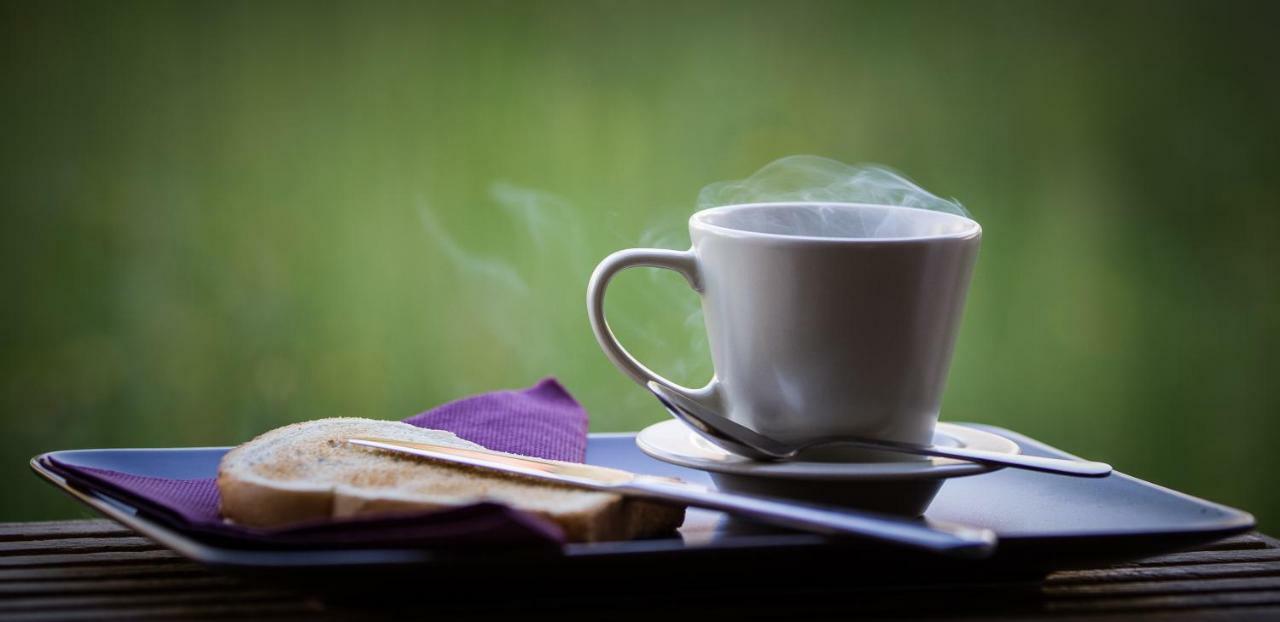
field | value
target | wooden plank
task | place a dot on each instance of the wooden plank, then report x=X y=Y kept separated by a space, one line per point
x=64 y=573
x=77 y=545
x=1181 y=601
x=1166 y=573
x=252 y=611
x=61 y=529
x=130 y=584
x=1133 y=588
x=1229 y=614
x=1233 y=614
x=1210 y=557
x=83 y=559
x=117 y=601
x=1245 y=541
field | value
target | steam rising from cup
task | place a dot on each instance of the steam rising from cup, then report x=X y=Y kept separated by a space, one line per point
x=542 y=268
x=808 y=178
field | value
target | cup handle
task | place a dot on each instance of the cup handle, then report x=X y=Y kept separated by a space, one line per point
x=683 y=262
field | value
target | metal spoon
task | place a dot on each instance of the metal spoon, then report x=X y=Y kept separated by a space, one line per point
x=741 y=440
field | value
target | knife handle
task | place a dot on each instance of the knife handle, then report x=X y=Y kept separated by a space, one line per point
x=938 y=537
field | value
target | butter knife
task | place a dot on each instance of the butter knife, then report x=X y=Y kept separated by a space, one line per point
x=930 y=535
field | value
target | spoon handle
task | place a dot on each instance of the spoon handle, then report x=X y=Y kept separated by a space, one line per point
x=1079 y=468
x=939 y=537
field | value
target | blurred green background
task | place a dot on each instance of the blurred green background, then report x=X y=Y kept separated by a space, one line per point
x=222 y=217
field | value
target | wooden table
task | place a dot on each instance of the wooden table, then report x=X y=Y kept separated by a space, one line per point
x=98 y=570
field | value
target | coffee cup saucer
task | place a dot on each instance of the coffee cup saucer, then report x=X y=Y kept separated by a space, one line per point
x=672 y=441
x=898 y=487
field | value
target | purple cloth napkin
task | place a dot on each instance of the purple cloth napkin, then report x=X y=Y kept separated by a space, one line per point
x=543 y=421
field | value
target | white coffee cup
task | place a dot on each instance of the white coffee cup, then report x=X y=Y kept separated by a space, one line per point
x=823 y=319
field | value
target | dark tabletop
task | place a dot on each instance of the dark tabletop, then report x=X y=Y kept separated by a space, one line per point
x=98 y=570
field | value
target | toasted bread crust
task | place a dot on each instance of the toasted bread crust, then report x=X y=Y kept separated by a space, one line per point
x=304 y=472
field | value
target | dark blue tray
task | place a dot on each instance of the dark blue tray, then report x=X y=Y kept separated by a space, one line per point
x=1044 y=522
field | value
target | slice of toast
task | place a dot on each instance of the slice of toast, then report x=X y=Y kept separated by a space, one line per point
x=306 y=471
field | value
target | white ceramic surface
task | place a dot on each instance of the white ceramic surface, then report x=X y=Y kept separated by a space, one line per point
x=823 y=319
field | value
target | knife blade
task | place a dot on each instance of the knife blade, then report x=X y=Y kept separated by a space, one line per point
x=936 y=536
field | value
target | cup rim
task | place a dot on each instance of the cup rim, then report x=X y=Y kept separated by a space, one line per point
x=971 y=229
